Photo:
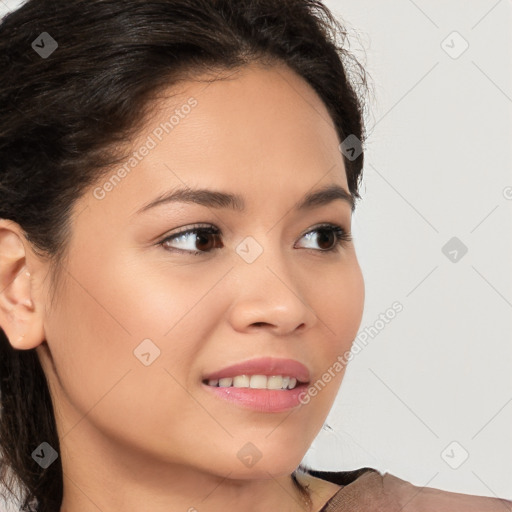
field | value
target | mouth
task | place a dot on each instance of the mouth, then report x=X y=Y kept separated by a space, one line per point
x=274 y=382
x=263 y=385
x=260 y=373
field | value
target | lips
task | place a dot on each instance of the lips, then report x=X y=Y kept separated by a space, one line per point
x=263 y=366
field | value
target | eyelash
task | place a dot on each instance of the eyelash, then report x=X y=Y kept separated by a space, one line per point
x=342 y=237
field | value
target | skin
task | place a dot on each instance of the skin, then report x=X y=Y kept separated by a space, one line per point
x=136 y=437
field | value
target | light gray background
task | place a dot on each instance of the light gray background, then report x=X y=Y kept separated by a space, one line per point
x=438 y=165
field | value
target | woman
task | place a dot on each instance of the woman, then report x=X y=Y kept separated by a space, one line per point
x=177 y=185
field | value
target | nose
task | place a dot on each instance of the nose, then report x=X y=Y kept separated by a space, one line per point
x=267 y=294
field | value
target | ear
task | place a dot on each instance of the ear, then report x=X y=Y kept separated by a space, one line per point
x=21 y=316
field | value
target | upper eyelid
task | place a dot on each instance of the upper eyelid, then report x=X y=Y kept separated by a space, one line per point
x=197 y=227
x=218 y=232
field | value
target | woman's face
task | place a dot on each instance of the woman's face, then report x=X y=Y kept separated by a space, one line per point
x=138 y=324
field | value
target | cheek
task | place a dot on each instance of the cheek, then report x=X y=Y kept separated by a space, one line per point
x=340 y=303
x=91 y=348
x=92 y=334
x=339 y=309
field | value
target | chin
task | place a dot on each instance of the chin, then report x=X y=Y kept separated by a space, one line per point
x=265 y=460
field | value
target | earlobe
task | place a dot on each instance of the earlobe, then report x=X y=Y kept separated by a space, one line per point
x=20 y=319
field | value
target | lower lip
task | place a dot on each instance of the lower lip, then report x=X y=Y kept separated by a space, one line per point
x=261 y=400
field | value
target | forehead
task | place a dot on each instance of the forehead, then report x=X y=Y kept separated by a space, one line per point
x=258 y=129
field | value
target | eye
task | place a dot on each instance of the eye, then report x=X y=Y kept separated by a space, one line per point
x=186 y=243
x=203 y=239
x=332 y=235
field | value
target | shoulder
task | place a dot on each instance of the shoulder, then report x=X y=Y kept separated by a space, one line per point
x=413 y=498
x=368 y=489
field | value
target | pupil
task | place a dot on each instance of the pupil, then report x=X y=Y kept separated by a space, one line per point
x=202 y=239
x=322 y=234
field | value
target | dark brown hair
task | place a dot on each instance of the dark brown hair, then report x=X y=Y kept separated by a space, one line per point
x=64 y=116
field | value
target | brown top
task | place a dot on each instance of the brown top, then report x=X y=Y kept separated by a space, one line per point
x=366 y=490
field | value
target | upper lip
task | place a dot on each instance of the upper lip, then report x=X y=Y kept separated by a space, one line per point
x=264 y=366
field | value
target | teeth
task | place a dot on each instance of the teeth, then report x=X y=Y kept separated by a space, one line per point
x=255 y=382
x=241 y=381
x=258 y=382
x=275 y=382
x=225 y=383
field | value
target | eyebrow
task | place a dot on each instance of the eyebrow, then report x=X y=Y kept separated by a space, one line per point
x=218 y=199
